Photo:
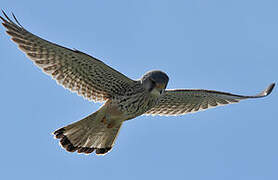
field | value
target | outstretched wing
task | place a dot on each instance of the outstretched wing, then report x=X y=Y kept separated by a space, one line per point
x=179 y=102
x=73 y=69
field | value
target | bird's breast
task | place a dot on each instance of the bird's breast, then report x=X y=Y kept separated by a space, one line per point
x=135 y=105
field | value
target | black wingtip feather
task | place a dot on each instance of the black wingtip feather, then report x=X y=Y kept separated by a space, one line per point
x=2 y=18
x=7 y=17
x=8 y=21
x=267 y=91
x=270 y=88
x=16 y=20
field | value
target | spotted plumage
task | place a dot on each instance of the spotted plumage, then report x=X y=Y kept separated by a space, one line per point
x=124 y=98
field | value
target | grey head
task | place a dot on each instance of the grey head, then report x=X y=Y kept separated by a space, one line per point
x=155 y=82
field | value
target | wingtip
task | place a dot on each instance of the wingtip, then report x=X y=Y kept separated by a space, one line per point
x=4 y=16
x=269 y=89
x=3 y=12
x=264 y=93
x=16 y=20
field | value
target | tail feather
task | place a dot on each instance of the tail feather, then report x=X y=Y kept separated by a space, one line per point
x=88 y=135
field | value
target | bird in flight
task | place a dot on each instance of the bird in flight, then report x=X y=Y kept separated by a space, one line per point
x=123 y=98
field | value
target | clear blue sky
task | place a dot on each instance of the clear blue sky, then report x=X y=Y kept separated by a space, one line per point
x=220 y=45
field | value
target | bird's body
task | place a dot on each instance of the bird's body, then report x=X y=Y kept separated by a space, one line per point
x=134 y=105
x=129 y=106
x=124 y=98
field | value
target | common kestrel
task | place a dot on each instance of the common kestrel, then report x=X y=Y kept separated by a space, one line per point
x=124 y=98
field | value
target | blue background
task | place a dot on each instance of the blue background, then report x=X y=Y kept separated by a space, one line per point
x=221 y=45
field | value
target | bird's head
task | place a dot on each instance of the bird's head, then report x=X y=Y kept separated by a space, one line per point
x=155 y=82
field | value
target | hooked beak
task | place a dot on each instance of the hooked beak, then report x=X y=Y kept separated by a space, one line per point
x=161 y=87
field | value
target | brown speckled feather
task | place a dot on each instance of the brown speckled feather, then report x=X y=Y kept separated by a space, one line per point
x=182 y=101
x=73 y=69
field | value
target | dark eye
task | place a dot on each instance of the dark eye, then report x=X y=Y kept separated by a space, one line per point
x=153 y=82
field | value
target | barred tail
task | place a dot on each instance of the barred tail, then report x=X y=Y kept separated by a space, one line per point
x=87 y=135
